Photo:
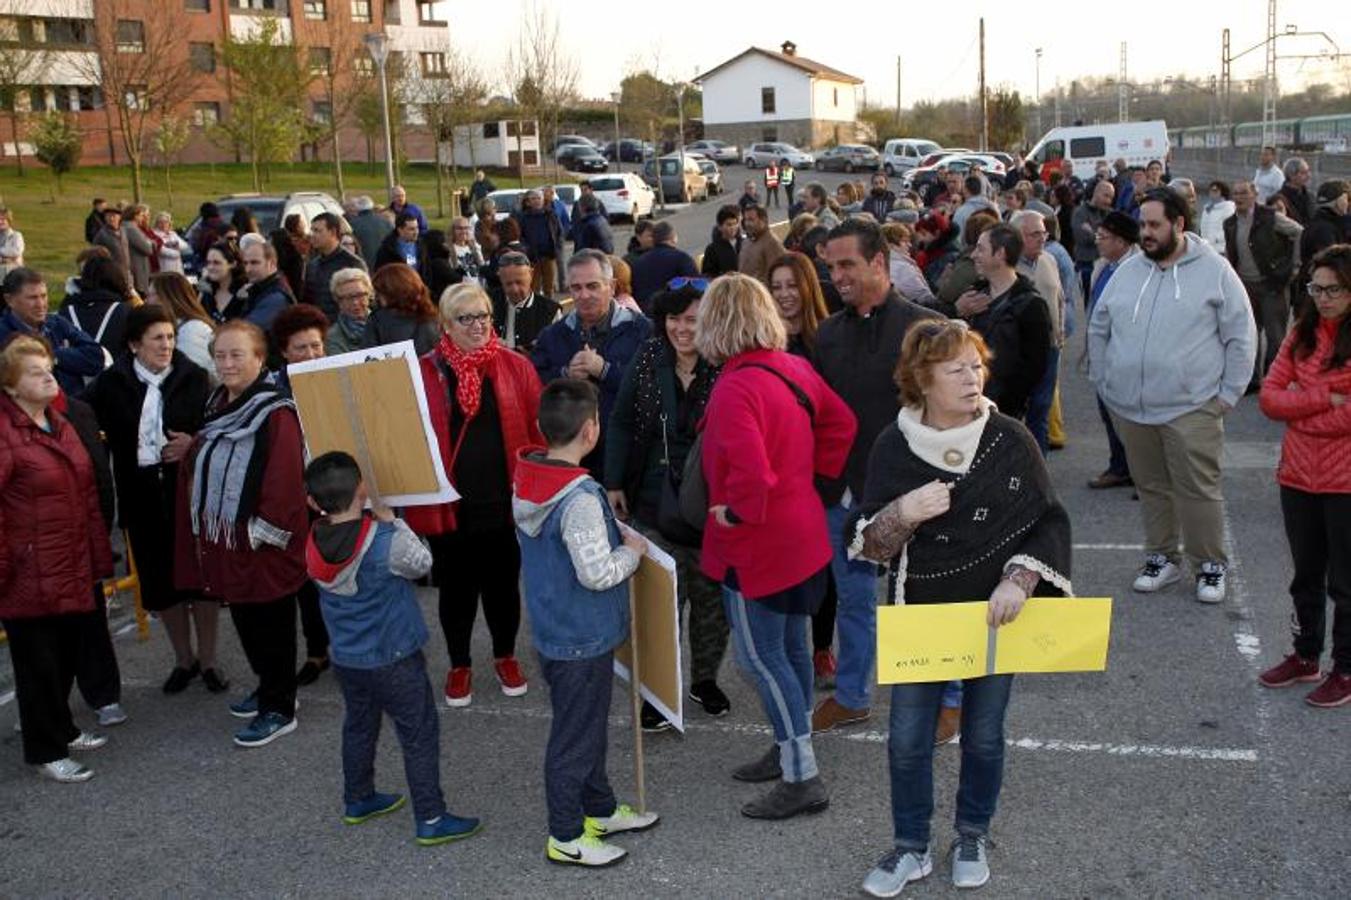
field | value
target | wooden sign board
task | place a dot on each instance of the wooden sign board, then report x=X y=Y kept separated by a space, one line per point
x=656 y=623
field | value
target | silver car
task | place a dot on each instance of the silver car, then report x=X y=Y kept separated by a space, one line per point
x=761 y=155
x=718 y=151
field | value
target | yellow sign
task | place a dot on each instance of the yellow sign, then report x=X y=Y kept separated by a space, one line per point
x=946 y=641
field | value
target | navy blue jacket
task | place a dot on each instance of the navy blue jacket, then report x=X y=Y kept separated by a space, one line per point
x=592 y=232
x=541 y=232
x=655 y=268
x=78 y=356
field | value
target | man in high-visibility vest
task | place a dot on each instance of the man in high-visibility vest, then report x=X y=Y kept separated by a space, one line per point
x=787 y=175
x=772 y=184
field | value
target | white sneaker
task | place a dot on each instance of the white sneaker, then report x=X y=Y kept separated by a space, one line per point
x=895 y=870
x=1210 y=583
x=112 y=714
x=624 y=818
x=1156 y=574
x=88 y=740
x=587 y=850
x=970 y=863
x=66 y=771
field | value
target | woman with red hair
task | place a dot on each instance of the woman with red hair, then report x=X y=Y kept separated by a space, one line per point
x=404 y=310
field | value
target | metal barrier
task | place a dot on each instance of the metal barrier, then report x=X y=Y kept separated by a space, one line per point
x=130 y=582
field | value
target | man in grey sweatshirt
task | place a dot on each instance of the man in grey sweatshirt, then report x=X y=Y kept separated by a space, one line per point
x=1171 y=345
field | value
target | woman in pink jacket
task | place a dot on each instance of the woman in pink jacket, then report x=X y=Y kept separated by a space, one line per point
x=771 y=426
x=1307 y=389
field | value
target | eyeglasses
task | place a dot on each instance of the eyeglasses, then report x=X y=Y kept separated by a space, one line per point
x=1331 y=291
x=351 y=298
x=468 y=319
x=699 y=284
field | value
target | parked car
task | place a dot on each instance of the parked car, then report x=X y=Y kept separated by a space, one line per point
x=954 y=162
x=565 y=139
x=761 y=155
x=677 y=187
x=507 y=201
x=848 y=157
x=568 y=193
x=629 y=150
x=625 y=195
x=581 y=158
x=899 y=154
x=718 y=151
x=934 y=157
x=271 y=211
x=712 y=174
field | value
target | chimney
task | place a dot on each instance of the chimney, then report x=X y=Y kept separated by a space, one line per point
x=788 y=48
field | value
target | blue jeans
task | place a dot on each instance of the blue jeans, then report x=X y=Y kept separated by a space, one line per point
x=402 y=690
x=914 y=716
x=575 y=783
x=1039 y=404
x=773 y=650
x=855 y=616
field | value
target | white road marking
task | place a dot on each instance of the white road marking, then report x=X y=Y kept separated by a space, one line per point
x=1136 y=547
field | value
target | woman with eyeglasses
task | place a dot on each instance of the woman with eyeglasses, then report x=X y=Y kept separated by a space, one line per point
x=655 y=421
x=352 y=291
x=404 y=310
x=483 y=401
x=1307 y=389
x=958 y=505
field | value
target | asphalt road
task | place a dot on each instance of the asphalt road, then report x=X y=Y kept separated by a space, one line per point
x=1172 y=774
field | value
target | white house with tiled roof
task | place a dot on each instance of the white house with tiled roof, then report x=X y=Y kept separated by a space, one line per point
x=769 y=95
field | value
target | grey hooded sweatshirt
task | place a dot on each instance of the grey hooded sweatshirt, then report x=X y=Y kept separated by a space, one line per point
x=1165 y=342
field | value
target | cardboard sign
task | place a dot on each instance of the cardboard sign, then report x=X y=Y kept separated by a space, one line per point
x=656 y=623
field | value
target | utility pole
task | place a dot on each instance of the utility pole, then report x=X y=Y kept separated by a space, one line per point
x=1038 y=89
x=1057 y=101
x=1123 y=103
x=1269 y=82
x=898 y=90
x=984 y=98
x=1225 y=76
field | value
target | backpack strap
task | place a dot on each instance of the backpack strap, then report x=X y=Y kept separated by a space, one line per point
x=103 y=326
x=803 y=400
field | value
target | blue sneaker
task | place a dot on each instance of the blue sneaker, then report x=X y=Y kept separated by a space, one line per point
x=372 y=806
x=265 y=729
x=246 y=708
x=445 y=828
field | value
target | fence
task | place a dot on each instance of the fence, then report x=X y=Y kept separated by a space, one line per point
x=1229 y=163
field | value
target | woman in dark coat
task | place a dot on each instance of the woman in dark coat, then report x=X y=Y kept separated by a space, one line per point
x=438 y=269
x=404 y=310
x=150 y=404
x=100 y=308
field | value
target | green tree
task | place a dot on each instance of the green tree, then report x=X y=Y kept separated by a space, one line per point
x=1006 y=118
x=169 y=139
x=271 y=80
x=58 y=144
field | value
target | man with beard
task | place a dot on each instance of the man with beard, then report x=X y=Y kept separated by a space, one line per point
x=879 y=201
x=761 y=248
x=1171 y=345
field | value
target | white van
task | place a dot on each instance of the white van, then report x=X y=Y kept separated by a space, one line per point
x=1138 y=143
x=899 y=154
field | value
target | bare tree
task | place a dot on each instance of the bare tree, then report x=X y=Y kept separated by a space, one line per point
x=346 y=80
x=542 y=74
x=22 y=61
x=447 y=101
x=140 y=57
x=170 y=138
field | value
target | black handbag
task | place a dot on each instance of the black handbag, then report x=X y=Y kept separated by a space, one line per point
x=671 y=520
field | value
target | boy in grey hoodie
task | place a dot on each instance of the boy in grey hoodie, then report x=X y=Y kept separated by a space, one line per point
x=1171 y=345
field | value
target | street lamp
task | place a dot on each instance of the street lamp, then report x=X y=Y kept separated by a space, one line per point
x=377 y=45
x=615 y=97
x=1038 y=93
x=680 y=137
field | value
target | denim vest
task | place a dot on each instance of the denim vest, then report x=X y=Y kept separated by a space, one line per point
x=567 y=621
x=381 y=623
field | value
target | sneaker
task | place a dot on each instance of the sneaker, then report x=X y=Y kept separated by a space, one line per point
x=66 y=771
x=111 y=715
x=1156 y=574
x=88 y=740
x=970 y=867
x=180 y=678
x=374 y=805
x=265 y=729
x=585 y=851
x=246 y=708
x=509 y=676
x=823 y=667
x=788 y=799
x=766 y=768
x=1210 y=583
x=1334 y=691
x=214 y=681
x=651 y=720
x=829 y=714
x=1294 y=669
x=446 y=828
x=895 y=870
x=310 y=672
x=708 y=695
x=949 y=725
x=624 y=818
x=459 y=686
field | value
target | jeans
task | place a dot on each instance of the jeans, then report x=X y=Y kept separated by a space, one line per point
x=1085 y=272
x=402 y=690
x=910 y=746
x=575 y=783
x=1320 y=545
x=1116 y=461
x=855 y=616
x=773 y=651
x=1039 y=404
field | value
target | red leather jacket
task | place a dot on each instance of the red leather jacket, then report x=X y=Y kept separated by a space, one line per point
x=1316 y=450
x=53 y=541
x=516 y=388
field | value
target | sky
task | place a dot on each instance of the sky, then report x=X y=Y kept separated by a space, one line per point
x=939 y=58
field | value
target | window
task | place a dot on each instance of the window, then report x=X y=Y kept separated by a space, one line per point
x=322 y=111
x=767 y=100
x=835 y=94
x=316 y=10
x=204 y=115
x=37 y=99
x=276 y=7
x=1089 y=146
x=89 y=98
x=363 y=65
x=361 y=11
x=392 y=16
x=770 y=134
x=433 y=65
x=197 y=5
x=135 y=97
x=492 y=130
x=130 y=36
x=1051 y=151
x=62 y=31
x=321 y=62
x=426 y=13
x=203 y=57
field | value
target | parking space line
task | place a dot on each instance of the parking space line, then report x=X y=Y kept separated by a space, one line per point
x=1135 y=547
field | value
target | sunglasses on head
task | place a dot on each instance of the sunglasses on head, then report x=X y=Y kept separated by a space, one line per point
x=699 y=284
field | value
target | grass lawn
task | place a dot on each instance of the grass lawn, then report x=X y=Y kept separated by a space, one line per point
x=54 y=231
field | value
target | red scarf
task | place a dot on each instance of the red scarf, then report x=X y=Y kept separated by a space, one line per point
x=468 y=367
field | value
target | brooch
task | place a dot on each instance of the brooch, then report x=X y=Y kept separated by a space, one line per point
x=953 y=458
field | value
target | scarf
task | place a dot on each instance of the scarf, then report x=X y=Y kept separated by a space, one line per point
x=468 y=367
x=150 y=438
x=228 y=468
x=951 y=449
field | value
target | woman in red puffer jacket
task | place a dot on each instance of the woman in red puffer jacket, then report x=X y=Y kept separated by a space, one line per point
x=1307 y=388
x=54 y=552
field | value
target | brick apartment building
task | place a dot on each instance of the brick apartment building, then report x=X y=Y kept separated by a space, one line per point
x=66 y=30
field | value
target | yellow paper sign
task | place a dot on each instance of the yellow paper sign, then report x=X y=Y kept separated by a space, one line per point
x=946 y=641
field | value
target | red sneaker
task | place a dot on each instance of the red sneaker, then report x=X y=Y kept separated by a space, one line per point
x=459 y=686
x=823 y=662
x=1334 y=691
x=509 y=674
x=1291 y=670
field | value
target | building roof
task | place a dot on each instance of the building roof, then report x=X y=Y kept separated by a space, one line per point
x=810 y=66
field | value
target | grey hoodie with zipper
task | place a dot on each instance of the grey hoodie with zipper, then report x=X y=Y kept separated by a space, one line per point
x=1165 y=342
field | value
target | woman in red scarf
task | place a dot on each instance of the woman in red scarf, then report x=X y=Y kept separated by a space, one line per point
x=484 y=403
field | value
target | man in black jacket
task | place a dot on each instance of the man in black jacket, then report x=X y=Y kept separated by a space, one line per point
x=94 y=221
x=1328 y=225
x=328 y=257
x=1263 y=248
x=856 y=352
x=721 y=255
x=1296 y=190
x=520 y=314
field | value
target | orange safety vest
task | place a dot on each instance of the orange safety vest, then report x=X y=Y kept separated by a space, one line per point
x=771 y=176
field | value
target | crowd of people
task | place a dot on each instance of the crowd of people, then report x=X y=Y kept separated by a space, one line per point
x=859 y=405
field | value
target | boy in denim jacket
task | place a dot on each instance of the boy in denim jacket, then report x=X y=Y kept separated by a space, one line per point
x=362 y=563
x=576 y=585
